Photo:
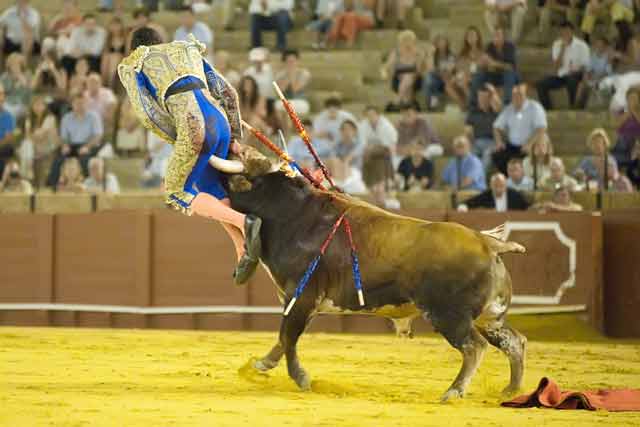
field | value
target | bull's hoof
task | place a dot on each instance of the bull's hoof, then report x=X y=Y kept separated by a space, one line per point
x=452 y=394
x=264 y=365
x=303 y=380
x=510 y=390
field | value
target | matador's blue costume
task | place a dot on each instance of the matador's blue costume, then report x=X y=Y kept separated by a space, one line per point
x=179 y=96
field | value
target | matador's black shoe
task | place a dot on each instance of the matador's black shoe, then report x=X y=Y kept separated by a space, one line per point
x=252 y=250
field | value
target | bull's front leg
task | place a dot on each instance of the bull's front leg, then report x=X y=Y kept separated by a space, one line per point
x=291 y=328
x=271 y=360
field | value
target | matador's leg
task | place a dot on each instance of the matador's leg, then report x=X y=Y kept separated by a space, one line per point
x=187 y=164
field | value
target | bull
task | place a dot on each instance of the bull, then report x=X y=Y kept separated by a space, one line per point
x=449 y=274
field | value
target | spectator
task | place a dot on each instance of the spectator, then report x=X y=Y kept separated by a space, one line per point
x=375 y=126
x=628 y=128
x=571 y=58
x=537 y=164
x=81 y=135
x=71 y=179
x=593 y=166
x=261 y=71
x=558 y=177
x=325 y=13
x=439 y=79
x=7 y=132
x=355 y=18
x=498 y=197
x=158 y=156
x=618 y=182
x=113 y=53
x=16 y=81
x=270 y=15
x=299 y=151
x=566 y=10
x=64 y=51
x=405 y=66
x=560 y=202
x=517 y=178
x=349 y=149
x=598 y=69
x=13 y=182
x=221 y=60
x=78 y=81
x=252 y=104
x=88 y=40
x=294 y=81
x=464 y=171
x=621 y=14
x=468 y=62
x=98 y=181
x=415 y=171
x=399 y=8
x=412 y=127
x=498 y=67
x=40 y=137
x=190 y=25
x=629 y=59
x=633 y=169
x=131 y=135
x=101 y=100
x=142 y=18
x=512 y=10
x=49 y=77
x=327 y=124
x=377 y=174
x=479 y=123
x=517 y=126
x=20 y=26
x=69 y=18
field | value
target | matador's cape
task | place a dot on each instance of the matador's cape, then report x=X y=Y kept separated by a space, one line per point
x=147 y=74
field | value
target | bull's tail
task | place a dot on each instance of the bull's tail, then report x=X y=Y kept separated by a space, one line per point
x=495 y=238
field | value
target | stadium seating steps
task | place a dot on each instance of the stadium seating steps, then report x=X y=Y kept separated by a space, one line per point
x=354 y=75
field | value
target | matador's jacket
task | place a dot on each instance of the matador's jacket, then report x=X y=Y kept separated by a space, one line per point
x=180 y=97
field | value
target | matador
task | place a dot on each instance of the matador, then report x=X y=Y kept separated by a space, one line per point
x=180 y=97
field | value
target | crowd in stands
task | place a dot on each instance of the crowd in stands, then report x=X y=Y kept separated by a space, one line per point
x=63 y=113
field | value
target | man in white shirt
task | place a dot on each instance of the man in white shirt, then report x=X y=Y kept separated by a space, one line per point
x=270 y=15
x=20 y=25
x=377 y=127
x=517 y=126
x=571 y=57
x=514 y=10
x=88 y=40
x=200 y=30
x=327 y=123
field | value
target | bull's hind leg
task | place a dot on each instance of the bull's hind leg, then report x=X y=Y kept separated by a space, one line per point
x=513 y=344
x=462 y=335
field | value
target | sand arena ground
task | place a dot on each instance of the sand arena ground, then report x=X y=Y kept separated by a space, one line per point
x=78 y=377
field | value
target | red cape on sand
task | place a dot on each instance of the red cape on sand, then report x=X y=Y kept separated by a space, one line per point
x=549 y=395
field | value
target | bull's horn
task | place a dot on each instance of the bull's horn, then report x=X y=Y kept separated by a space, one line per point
x=226 y=166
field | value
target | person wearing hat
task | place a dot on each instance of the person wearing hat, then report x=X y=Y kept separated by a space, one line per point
x=261 y=71
x=179 y=96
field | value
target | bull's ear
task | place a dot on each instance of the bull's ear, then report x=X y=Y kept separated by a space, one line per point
x=239 y=184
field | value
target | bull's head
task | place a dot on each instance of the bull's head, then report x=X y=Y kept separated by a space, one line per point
x=256 y=178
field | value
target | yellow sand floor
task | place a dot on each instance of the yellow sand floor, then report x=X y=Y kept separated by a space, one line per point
x=78 y=377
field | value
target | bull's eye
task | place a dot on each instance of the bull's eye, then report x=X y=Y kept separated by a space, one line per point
x=239 y=184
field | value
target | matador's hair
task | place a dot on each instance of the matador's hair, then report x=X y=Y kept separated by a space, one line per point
x=145 y=36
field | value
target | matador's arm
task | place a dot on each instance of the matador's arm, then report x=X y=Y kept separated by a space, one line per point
x=222 y=90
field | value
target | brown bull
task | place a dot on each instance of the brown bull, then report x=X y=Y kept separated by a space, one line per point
x=446 y=272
